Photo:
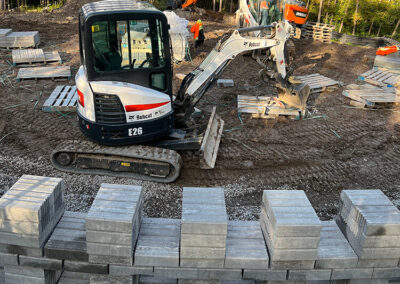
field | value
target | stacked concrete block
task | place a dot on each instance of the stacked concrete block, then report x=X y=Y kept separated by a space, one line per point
x=2 y=279
x=291 y=229
x=105 y=279
x=334 y=251
x=144 y=279
x=29 y=211
x=68 y=240
x=158 y=243
x=10 y=39
x=371 y=224
x=113 y=223
x=204 y=228
x=69 y=277
x=26 y=274
x=245 y=246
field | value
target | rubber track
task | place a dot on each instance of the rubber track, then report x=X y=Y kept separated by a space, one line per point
x=135 y=151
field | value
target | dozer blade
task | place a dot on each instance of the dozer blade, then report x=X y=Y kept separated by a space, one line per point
x=294 y=97
x=211 y=140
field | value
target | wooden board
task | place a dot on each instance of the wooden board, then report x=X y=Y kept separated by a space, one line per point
x=55 y=72
x=380 y=77
x=63 y=98
x=30 y=56
x=318 y=83
x=264 y=107
x=20 y=39
x=253 y=104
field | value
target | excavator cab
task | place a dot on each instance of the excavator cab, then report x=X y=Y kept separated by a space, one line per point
x=125 y=81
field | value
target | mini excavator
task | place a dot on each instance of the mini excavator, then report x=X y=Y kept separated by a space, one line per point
x=125 y=101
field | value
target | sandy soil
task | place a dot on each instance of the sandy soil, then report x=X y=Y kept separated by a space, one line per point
x=348 y=149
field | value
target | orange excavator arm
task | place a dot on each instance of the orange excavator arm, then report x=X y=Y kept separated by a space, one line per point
x=188 y=3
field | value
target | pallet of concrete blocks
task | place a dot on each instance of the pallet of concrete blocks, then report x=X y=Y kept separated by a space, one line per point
x=204 y=228
x=113 y=223
x=371 y=224
x=291 y=229
x=29 y=212
x=10 y=39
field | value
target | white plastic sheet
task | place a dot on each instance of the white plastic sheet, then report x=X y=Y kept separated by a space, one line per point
x=179 y=34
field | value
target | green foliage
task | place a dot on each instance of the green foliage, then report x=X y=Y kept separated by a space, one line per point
x=382 y=15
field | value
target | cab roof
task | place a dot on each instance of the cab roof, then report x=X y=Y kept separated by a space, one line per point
x=114 y=6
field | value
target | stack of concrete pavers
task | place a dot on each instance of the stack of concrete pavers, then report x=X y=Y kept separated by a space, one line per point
x=158 y=243
x=245 y=246
x=10 y=39
x=154 y=280
x=204 y=228
x=68 y=240
x=334 y=251
x=112 y=227
x=291 y=229
x=371 y=224
x=29 y=211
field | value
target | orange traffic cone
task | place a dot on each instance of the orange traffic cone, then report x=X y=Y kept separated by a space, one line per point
x=387 y=50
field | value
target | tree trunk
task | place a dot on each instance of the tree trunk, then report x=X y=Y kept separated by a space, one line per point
x=231 y=7
x=308 y=4
x=320 y=11
x=344 y=16
x=395 y=28
x=355 y=18
x=214 y=5
x=220 y=6
x=370 y=27
x=379 y=30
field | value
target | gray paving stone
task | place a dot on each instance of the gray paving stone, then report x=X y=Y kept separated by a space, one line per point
x=198 y=273
x=289 y=230
x=379 y=263
x=144 y=279
x=315 y=274
x=300 y=264
x=25 y=274
x=380 y=273
x=286 y=198
x=110 y=237
x=204 y=225
x=368 y=281
x=69 y=277
x=21 y=250
x=238 y=282
x=197 y=240
x=85 y=267
x=264 y=275
x=200 y=252
x=201 y=263
x=110 y=259
x=199 y=281
x=40 y=262
x=364 y=197
x=105 y=279
x=7 y=258
x=130 y=270
x=352 y=273
x=334 y=251
x=108 y=249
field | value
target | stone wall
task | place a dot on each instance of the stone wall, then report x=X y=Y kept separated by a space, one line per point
x=113 y=243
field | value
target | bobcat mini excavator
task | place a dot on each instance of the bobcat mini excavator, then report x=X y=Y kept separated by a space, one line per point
x=125 y=98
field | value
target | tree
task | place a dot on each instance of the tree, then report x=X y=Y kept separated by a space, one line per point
x=320 y=10
x=355 y=18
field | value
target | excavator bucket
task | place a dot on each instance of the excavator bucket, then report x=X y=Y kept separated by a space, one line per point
x=212 y=138
x=295 y=96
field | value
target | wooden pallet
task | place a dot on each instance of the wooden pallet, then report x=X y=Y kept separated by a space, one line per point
x=265 y=107
x=56 y=72
x=30 y=56
x=370 y=96
x=63 y=98
x=319 y=83
x=317 y=31
x=380 y=77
